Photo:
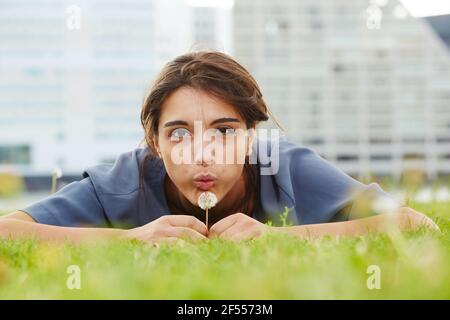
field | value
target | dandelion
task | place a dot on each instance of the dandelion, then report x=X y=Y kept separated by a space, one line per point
x=57 y=173
x=206 y=201
x=385 y=205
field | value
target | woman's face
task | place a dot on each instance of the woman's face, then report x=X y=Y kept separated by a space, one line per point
x=203 y=142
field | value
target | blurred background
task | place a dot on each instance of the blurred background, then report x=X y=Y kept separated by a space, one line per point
x=365 y=83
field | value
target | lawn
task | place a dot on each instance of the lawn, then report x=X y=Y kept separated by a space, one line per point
x=411 y=265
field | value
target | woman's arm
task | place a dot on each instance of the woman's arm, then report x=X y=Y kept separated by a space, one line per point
x=403 y=218
x=19 y=225
x=168 y=228
x=240 y=226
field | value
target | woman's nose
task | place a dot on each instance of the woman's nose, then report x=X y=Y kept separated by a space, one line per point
x=203 y=152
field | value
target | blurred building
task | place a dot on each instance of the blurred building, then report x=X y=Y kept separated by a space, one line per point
x=73 y=75
x=365 y=85
x=370 y=99
x=211 y=27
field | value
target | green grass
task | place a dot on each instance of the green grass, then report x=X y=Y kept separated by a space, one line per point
x=413 y=265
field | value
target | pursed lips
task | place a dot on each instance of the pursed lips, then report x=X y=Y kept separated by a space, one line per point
x=205 y=182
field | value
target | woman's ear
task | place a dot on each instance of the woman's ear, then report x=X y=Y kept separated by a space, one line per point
x=155 y=146
x=159 y=152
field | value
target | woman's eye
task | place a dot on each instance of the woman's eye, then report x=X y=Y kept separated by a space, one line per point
x=180 y=133
x=225 y=130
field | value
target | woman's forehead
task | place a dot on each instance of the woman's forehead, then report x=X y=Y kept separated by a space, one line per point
x=195 y=105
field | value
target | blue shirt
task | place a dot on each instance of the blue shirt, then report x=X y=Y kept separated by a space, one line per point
x=109 y=195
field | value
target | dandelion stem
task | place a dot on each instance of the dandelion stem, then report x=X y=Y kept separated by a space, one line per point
x=53 y=190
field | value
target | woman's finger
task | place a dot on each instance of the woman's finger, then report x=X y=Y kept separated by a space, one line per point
x=189 y=222
x=184 y=232
x=231 y=231
x=222 y=225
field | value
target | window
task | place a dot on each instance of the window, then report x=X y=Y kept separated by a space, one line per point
x=347 y=157
x=15 y=155
x=381 y=157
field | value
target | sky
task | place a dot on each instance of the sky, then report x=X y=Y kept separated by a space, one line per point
x=426 y=8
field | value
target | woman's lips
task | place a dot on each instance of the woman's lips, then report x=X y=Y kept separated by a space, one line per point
x=205 y=180
x=204 y=184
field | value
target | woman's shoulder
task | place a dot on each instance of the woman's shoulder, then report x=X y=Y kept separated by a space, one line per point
x=123 y=175
x=315 y=186
x=277 y=155
x=296 y=166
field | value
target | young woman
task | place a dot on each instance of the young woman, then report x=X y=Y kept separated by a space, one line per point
x=151 y=193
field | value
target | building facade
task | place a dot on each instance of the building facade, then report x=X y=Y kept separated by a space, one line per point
x=365 y=85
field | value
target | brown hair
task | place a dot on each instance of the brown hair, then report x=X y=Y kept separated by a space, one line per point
x=215 y=73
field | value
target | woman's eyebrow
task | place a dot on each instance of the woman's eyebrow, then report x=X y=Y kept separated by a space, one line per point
x=220 y=120
x=184 y=123
x=175 y=123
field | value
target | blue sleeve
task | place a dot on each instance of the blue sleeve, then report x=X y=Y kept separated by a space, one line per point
x=109 y=195
x=324 y=193
x=76 y=204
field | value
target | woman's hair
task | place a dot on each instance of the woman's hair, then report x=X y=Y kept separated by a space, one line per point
x=216 y=74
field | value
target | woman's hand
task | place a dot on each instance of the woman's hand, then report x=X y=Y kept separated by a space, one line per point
x=238 y=227
x=169 y=228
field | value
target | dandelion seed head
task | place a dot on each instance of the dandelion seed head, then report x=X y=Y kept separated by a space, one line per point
x=57 y=172
x=385 y=205
x=207 y=200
